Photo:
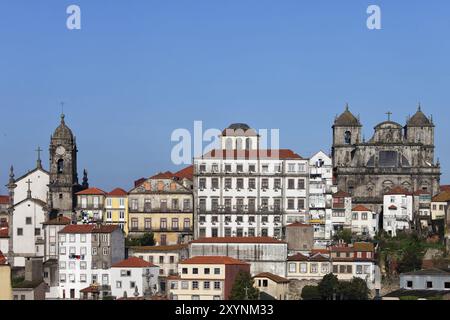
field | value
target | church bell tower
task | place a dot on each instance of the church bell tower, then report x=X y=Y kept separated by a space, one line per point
x=63 y=170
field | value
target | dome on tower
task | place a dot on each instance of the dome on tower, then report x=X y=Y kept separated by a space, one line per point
x=63 y=131
x=347 y=119
x=236 y=129
x=419 y=120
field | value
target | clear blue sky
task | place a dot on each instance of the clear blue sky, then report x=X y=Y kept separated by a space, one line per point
x=139 y=69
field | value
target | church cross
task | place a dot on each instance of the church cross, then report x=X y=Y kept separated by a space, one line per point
x=389 y=114
x=29 y=184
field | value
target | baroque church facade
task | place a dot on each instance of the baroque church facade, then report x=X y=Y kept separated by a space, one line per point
x=396 y=155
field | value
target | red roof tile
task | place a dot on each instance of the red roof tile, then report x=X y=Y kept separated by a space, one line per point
x=89 y=228
x=360 y=208
x=237 y=240
x=58 y=221
x=444 y=196
x=252 y=154
x=398 y=191
x=3 y=259
x=4 y=232
x=341 y=194
x=298 y=257
x=445 y=188
x=213 y=260
x=92 y=191
x=90 y=289
x=163 y=175
x=4 y=199
x=186 y=173
x=139 y=182
x=133 y=262
x=118 y=192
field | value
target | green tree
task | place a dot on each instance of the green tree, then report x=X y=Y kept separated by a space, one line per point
x=147 y=239
x=355 y=289
x=410 y=261
x=243 y=288
x=311 y=293
x=328 y=286
x=344 y=235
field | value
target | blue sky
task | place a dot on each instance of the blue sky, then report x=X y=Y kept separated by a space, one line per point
x=140 y=69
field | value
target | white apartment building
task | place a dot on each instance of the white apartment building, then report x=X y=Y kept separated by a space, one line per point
x=341 y=213
x=364 y=222
x=320 y=195
x=242 y=190
x=86 y=254
x=134 y=277
x=397 y=210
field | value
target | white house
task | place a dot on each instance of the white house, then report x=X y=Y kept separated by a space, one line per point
x=397 y=210
x=242 y=190
x=364 y=221
x=134 y=277
x=320 y=194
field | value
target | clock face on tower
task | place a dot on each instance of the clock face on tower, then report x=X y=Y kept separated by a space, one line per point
x=60 y=151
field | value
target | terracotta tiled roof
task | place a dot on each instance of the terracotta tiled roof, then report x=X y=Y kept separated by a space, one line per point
x=58 y=221
x=133 y=262
x=298 y=224
x=398 y=191
x=442 y=197
x=139 y=182
x=298 y=257
x=90 y=289
x=89 y=228
x=92 y=191
x=272 y=277
x=186 y=173
x=363 y=246
x=4 y=200
x=252 y=154
x=163 y=175
x=3 y=259
x=421 y=192
x=118 y=192
x=341 y=194
x=4 y=232
x=160 y=248
x=213 y=260
x=392 y=207
x=360 y=208
x=347 y=119
x=237 y=240
x=445 y=188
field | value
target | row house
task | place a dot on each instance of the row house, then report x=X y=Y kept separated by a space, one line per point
x=422 y=210
x=341 y=213
x=163 y=205
x=273 y=285
x=86 y=253
x=357 y=260
x=364 y=222
x=90 y=205
x=320 y=195
x=397 y=210
x=205 y=278
x=313 y=266
x=116 y=209
x=241 y=190
x=165 y=257
x=440 y=210
x=264 y=254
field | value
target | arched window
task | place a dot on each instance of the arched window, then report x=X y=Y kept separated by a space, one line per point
x=60 y=165
x=239 y=144
x=348 y=137
x=248 y=144
x=229 y=144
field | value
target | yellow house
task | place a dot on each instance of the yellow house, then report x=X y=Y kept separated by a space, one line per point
x=5 y=279
x=116 y=209
x=273 y=285
x=162 y=205
x=312 y=267
x=440 y=205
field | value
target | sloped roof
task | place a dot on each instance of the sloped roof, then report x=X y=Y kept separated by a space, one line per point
x=89 y=228
x=58 y=221
x=3 y=259
x=118 y=192
x=392 y=207
x=213 y=260
x=429 y=272
x=4 y=199
x=341 y=194
x=163 y=175
x=186 y=173
x=237 y=240
x=174 y=247
x=347 y=119
x=4 y=232
x=92 y=191
x=273 y=277
x=444 y=196
x=361 y=208
x=419 y=119
x=398 y=191
x=133 y=262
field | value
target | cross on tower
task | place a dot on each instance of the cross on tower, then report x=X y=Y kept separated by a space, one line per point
x=39 y=150
x=389 y=114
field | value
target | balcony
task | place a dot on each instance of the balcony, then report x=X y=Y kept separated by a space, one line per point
x=159 y=210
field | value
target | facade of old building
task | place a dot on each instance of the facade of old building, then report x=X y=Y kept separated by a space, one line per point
x=396 y=155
